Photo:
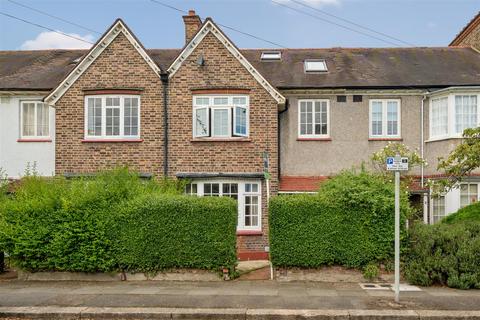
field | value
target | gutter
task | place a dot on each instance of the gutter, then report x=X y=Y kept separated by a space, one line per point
x=164 y=78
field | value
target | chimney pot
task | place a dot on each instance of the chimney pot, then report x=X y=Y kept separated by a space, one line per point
x=191 y=12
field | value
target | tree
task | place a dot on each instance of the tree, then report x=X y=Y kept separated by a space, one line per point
x=462 y=161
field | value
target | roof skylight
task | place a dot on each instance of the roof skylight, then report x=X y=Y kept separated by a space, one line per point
x=315 y=65
x=271 y=55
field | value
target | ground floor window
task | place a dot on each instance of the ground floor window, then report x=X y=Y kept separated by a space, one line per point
x=246 y=193
x=468 y=194
x=438 y=208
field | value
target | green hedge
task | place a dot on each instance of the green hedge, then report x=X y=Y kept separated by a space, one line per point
x=350 y=222
x=91 y=225
x=155 y=232
x=446 y=254
x=469 y=213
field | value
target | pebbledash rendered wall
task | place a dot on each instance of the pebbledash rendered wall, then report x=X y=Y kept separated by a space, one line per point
x=16 y=156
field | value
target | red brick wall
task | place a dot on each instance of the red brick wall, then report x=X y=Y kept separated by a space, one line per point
x=222 y=70
x=119 y=66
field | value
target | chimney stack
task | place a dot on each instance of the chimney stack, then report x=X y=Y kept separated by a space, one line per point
x=192 y=25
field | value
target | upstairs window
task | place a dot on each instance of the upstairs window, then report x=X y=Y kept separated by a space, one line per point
x=34 y=119
x=220 y=116
x=112 y=117
x=439 y=116
x=384 y=118
x=315 y=65
x=313 y=118
x=465 y=112
x=451 y=114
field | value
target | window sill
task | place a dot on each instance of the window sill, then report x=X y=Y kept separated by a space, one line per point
x=443 y=139
x=249 y=233
x=111 y=140
x=221 y=140
x=314 y=139
x=35 y=140
x=385 y=139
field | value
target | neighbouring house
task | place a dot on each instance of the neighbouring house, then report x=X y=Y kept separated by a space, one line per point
x=243 y=123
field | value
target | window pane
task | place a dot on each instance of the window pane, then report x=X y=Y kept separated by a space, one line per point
x=240 y=121
x=439 y=117
x=201 y=122
x=28 y=119
x=42 y=120
x=202 y=101
x=239 y=101
x=220 y=122
x=220 y=101
x=211 y=189
x=392 y=118
x=230 y=190
x=465 y=112
x=251 y=209
x=438 y=208
x=320 y=118
x=130 y=117
x=377 y=116
x=112 y=121
x=191 y=189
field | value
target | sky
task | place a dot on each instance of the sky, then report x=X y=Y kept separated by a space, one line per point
x=413 y=22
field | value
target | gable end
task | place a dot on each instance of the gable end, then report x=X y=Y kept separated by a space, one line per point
x=117 y=28
x=208 y=27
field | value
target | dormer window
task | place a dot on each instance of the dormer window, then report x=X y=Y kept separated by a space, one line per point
x=271 y=55
x=315 y=65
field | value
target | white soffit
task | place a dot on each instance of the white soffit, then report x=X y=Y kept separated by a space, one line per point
x=93 y=54
x=209 y=26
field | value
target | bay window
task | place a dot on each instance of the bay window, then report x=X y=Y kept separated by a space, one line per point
x=112 y=116
x=468 y=194
x=313 y=118
x=220 y=116
x=34 y=120
x=246 y=193
x=384 y=118
x=451 y=114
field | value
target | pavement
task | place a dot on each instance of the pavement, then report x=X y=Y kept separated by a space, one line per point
x=227 y=300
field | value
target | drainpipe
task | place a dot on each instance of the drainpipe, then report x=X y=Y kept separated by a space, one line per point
x=278 y=139
x=422 y=154
x=164 y=78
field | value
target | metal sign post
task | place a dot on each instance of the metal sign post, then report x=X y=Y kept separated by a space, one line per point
x=397 y=164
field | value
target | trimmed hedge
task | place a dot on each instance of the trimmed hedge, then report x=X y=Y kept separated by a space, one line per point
x=98 y=224
x=446 y=254
x=155 y=232
x=350 y=222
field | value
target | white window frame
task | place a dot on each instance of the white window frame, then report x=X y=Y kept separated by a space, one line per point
x=230 y=106
x=432 y=203
x=103 y=135
x=241 y=198
x=35 y=136
x=451 y=115
x=385 y=134
x=468 y=189
x=313 y=135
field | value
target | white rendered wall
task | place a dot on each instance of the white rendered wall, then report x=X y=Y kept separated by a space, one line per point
x=16 y=156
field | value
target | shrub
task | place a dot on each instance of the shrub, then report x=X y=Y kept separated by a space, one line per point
x=350 y=223
x=96 y=223
x=469 y=213
x=156 y=232
x=446 y=254
x=371 y=271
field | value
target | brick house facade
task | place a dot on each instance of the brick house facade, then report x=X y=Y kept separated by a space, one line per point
x=120 y=70
x=223 y=117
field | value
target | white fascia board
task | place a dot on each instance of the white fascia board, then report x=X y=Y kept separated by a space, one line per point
x=210 y=27
x=93 y=54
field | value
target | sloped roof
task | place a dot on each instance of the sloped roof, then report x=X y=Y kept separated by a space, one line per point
x=466 y=30
x=347 y=67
